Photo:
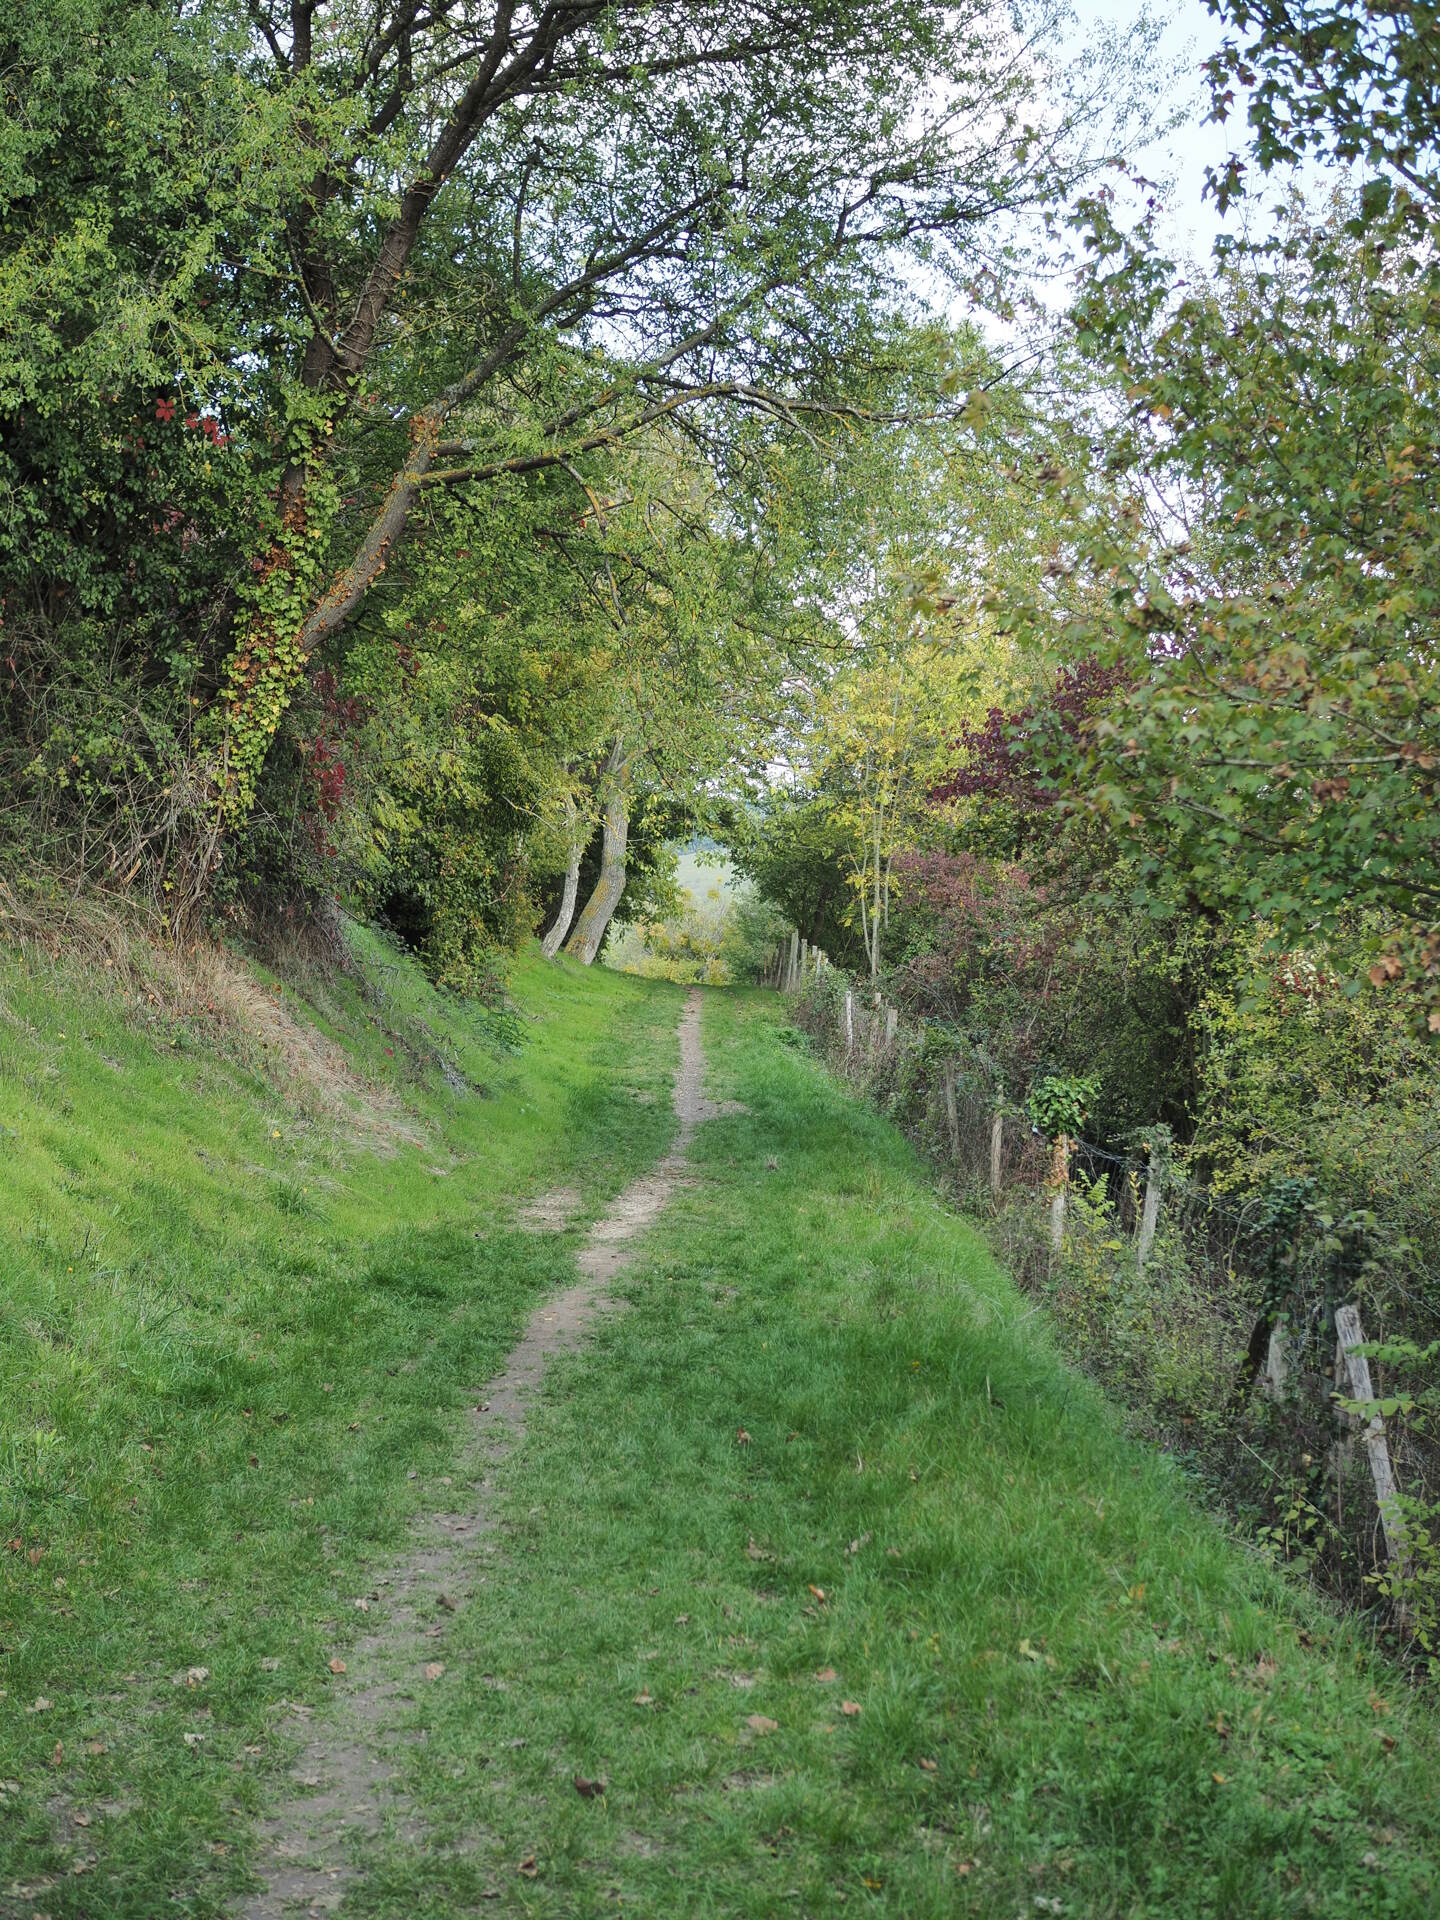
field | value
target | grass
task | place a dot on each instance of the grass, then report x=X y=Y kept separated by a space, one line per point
x=232 y=1352
x=828 y=1439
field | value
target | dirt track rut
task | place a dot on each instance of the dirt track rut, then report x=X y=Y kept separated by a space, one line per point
x=345 y=1785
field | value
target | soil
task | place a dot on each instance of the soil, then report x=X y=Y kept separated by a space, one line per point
x=550 y=1212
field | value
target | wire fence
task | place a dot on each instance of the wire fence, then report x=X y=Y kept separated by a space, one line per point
x=1230 y=1323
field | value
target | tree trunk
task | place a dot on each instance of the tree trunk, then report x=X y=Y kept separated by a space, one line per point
x=550 y=945
x=875 y=909
x=584 y=942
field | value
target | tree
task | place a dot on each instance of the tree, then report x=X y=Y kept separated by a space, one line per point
x=1258 y=535
x=883 y=737
x=590 y=928
x=635 y=211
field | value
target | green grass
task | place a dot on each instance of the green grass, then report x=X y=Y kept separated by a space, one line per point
x=1122 y=1710
x=233 y=1351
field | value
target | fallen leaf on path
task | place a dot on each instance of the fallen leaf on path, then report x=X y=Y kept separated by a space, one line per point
x=819 y=1593
x=96 y=1747
x=590 y=1789
x=850 y=1708
x=196 y=1676
x=643 y=1698
x=742 y=1436
x=58 y=1756
x=929 y=1766
x=337 y=1666
x=42 y=1705
x=194 y=1739
x=759 y=1723
x=864 y=1541
x=825 y=1675
x=528 y=1867
x=434 y=1669
x=682 y=1619
x=361 y=1604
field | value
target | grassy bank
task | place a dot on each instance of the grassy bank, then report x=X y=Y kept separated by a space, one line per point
x=251 y=1259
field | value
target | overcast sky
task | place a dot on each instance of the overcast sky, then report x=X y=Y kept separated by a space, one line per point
x=1191 y=34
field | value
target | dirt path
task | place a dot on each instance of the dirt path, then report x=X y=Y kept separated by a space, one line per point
x=345 y=1783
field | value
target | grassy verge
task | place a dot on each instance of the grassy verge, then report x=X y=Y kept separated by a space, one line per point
x=855 y=1597
x=234 y=1340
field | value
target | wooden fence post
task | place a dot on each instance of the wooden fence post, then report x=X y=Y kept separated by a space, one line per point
x=849 y=1023
x=952 y=1118
x=997 y=1140
x=892 y=1024
x=1277 y=1363
x=1150 y=1210
x=804 y=956
x=1354 y=1367
x=794 y=961
x=1059 y=1186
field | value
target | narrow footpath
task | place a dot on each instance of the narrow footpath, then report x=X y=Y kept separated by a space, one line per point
x=345 y=1780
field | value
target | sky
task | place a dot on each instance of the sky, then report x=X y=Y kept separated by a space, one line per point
x=1182 y=156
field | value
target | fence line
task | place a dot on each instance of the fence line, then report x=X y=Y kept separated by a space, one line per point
x=1151 y=1267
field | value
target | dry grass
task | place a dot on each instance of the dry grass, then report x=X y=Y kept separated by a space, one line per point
x=108 y=945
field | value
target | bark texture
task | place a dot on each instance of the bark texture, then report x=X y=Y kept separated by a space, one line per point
x=550 y=945
x=599 y=909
